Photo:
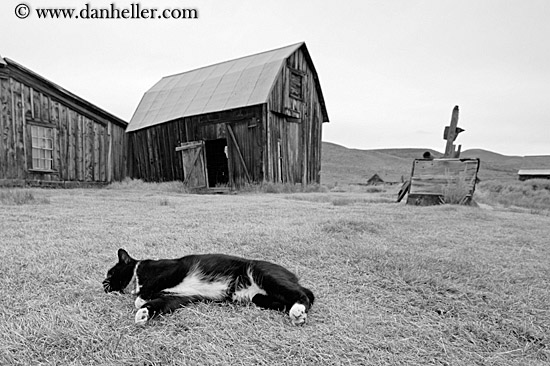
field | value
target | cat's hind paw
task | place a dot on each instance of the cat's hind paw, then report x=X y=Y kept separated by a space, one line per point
x=142 y=315
x=298 y=314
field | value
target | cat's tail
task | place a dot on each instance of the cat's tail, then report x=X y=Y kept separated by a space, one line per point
x=309 y=295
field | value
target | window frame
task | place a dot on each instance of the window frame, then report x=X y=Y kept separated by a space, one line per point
x=296 y=73
x=42 y=138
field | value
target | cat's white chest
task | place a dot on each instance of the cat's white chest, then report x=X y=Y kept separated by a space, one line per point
x=195 y=284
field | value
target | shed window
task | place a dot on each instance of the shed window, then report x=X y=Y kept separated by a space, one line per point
x=296 y=85
x=42 y=148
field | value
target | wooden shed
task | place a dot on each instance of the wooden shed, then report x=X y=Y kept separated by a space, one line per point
x=535 y=167
x=49 y=136
x=254 y=119
x=375 y=180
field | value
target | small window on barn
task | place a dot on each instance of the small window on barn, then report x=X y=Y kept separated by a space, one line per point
x=42 y=148
x=296 y=85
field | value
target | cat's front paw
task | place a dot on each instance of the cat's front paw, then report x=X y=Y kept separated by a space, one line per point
x=142 y=315
x=298 y=314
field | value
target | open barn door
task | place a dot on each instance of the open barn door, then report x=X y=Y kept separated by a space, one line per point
x=244 y=151
x=194 y=164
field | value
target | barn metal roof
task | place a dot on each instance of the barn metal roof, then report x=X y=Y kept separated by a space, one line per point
x=232 y=84
x=534 y=172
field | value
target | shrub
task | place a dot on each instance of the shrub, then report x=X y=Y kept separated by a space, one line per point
x=532 y=194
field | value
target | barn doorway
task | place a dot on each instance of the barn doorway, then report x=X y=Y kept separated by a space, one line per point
x=216 y=162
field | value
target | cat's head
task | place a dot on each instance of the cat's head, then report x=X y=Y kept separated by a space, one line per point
x=120 y=276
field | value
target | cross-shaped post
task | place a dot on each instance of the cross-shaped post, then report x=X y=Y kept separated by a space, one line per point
x=450 y=134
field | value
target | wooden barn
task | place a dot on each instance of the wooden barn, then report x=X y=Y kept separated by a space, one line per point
x=49 y=136
x=535 y=167
x=254 y=119
x=375 y=180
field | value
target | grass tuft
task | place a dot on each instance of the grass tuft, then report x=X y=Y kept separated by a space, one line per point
x=21 y=197
x=138 y=184
x=456 y=190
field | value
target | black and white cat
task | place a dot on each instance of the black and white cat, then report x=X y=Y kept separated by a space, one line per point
x=162 y=286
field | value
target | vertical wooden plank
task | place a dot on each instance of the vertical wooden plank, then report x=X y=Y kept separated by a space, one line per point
x=139 y=154
x=45 y=100
x=27 y=101
x=71 y=141
x=63 y=143
x=28 y=151
x=89 y=152
x=106 y=151
x=54 y=119
x=96 y=152
x=109 y=148
x=4 y=125
x=83 y=127
x=36 y=105
x=77 y=146
x=117 y=149
x=4 y=99
x=19 y=127
x=102 y=155
x=139 y=149
x=121 y=152
x=150 y=157
x=9 y=126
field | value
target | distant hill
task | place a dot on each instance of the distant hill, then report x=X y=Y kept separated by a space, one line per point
x=349 y=166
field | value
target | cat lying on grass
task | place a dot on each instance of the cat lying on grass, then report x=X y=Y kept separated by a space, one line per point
x=164 y=285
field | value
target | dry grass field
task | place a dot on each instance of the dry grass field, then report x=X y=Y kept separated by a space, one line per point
x=395 y=284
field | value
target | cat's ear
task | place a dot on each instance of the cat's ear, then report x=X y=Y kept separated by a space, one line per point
x=124 y=257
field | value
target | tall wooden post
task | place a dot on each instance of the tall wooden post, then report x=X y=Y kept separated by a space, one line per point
x=450 y=134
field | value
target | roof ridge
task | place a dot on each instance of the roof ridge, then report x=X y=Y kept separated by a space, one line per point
x=234 y=59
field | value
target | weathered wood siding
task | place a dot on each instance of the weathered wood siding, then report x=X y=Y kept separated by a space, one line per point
x=294 y=127
x=434 y=180
x=153 y=155
x=84 y=148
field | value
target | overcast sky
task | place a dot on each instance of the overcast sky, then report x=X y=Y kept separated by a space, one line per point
x=391 y=71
